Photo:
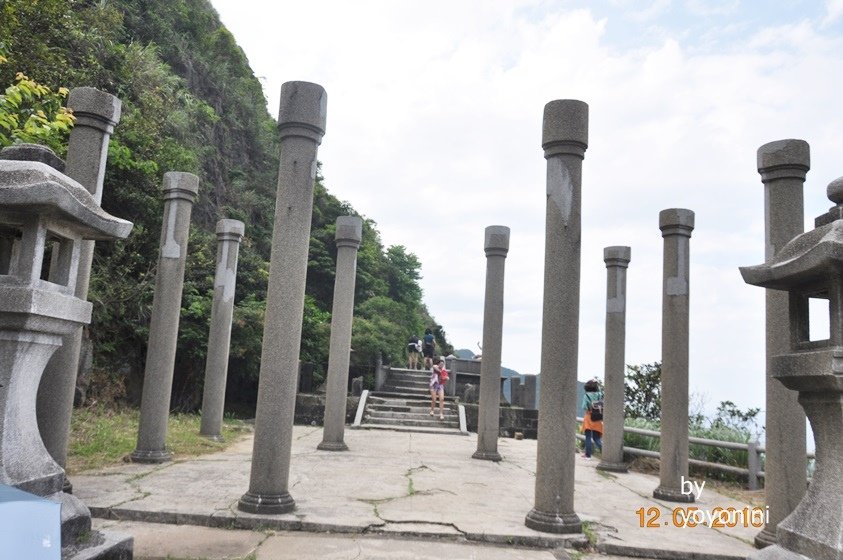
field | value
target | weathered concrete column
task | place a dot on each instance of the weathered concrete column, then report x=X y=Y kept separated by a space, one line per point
x=97 y=113
x=180 y=190
x=783 y=166
x=348 y=236
x=676 y=225
x=301 y=125
x=229 y=234
x=488 y=422
x=564 y=139
x=617 y=261
x=529 y=392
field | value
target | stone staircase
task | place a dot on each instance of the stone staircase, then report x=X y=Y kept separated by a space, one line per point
x=403 y=404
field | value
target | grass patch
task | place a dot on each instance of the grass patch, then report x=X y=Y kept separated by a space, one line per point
x=100 y=436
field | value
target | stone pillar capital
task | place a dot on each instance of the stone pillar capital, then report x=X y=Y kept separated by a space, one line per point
x=180 y=185
x=617 y=255
x=676 y=221
x=497 y=241
x=230 y=230
x=565 y=128
x=303 y=111
x=784 y=159
x=349 y=231
x=95 y=108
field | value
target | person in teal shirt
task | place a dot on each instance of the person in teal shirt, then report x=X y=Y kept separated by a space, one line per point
x=592 y=423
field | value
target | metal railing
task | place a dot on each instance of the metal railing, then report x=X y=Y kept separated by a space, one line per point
x=754 y=451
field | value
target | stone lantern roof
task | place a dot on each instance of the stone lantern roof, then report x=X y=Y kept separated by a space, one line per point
x=34 y=187
x=810 y=259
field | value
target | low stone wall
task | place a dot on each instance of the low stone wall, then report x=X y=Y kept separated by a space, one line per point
x=310 y=409
x=512 y=419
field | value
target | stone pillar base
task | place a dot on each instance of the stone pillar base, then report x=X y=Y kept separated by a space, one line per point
x=613 y=467
x=101 y=545
x=672 y=495
x=75 y=516
x=150 y=457
x=548 y=522
x=266 y=503
x=213 y=437
x=67 y=487
x=332 y=446
x=765 y=538
x=775 y=552
x=487 y=456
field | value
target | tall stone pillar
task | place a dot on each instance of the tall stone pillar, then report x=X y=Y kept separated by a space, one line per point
x=349 y=235
x=180 y=190
x=488 y=423
x=97 y=113
x=229 y=234
x=301 y=125
x=676 y=225
x=783 y=166
x=617 y=261
x=564 y=139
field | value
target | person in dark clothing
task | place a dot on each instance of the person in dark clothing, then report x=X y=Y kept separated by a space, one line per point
x=428 y=347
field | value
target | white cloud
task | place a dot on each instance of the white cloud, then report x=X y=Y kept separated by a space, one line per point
x=834 y=9
x=434 y=131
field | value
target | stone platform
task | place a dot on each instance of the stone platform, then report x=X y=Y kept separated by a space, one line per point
x=398 y=485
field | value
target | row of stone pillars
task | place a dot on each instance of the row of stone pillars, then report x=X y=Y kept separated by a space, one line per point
x=565 y=134
x=782 y=166
x=301 y=124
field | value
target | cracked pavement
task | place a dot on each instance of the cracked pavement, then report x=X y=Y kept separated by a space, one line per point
x=406 y=485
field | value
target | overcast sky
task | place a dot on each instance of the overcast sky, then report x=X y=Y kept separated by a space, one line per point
x=434 y=132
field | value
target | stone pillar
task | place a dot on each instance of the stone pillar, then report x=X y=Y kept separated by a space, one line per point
x=180 y=190
x=349 y=234
x=529 y=392
x=564 y=139
x=97 y=113
x=783 y=166
x=488 y=422
x=617 y=261
x=301 y=125
x=229 y=234
x=676 y=225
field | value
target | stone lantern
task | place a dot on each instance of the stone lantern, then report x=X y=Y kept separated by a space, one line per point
x=44 y=216
x=811 y=267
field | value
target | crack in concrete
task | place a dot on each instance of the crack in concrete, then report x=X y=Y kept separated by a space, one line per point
x=311 y=432
x=159 y=468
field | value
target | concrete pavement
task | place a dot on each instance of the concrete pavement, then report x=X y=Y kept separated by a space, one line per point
x=394 y=486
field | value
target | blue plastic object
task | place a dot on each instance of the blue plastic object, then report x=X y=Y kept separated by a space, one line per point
x=30 y=526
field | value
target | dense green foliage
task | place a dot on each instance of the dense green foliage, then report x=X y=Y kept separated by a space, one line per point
x=643 y=391
x=191 y=103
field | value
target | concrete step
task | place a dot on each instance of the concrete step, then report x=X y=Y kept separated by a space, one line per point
x=429 y=422
x=409 y=382
x=403 y=389
x=419 y=406
x=405 y=395
x=450 y=415
x=414 y=409
x=406 y=402
x=412 y=429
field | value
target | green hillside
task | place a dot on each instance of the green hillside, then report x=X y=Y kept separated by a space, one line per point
x=192 y=103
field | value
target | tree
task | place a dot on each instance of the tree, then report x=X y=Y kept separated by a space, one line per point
x=642 y=391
